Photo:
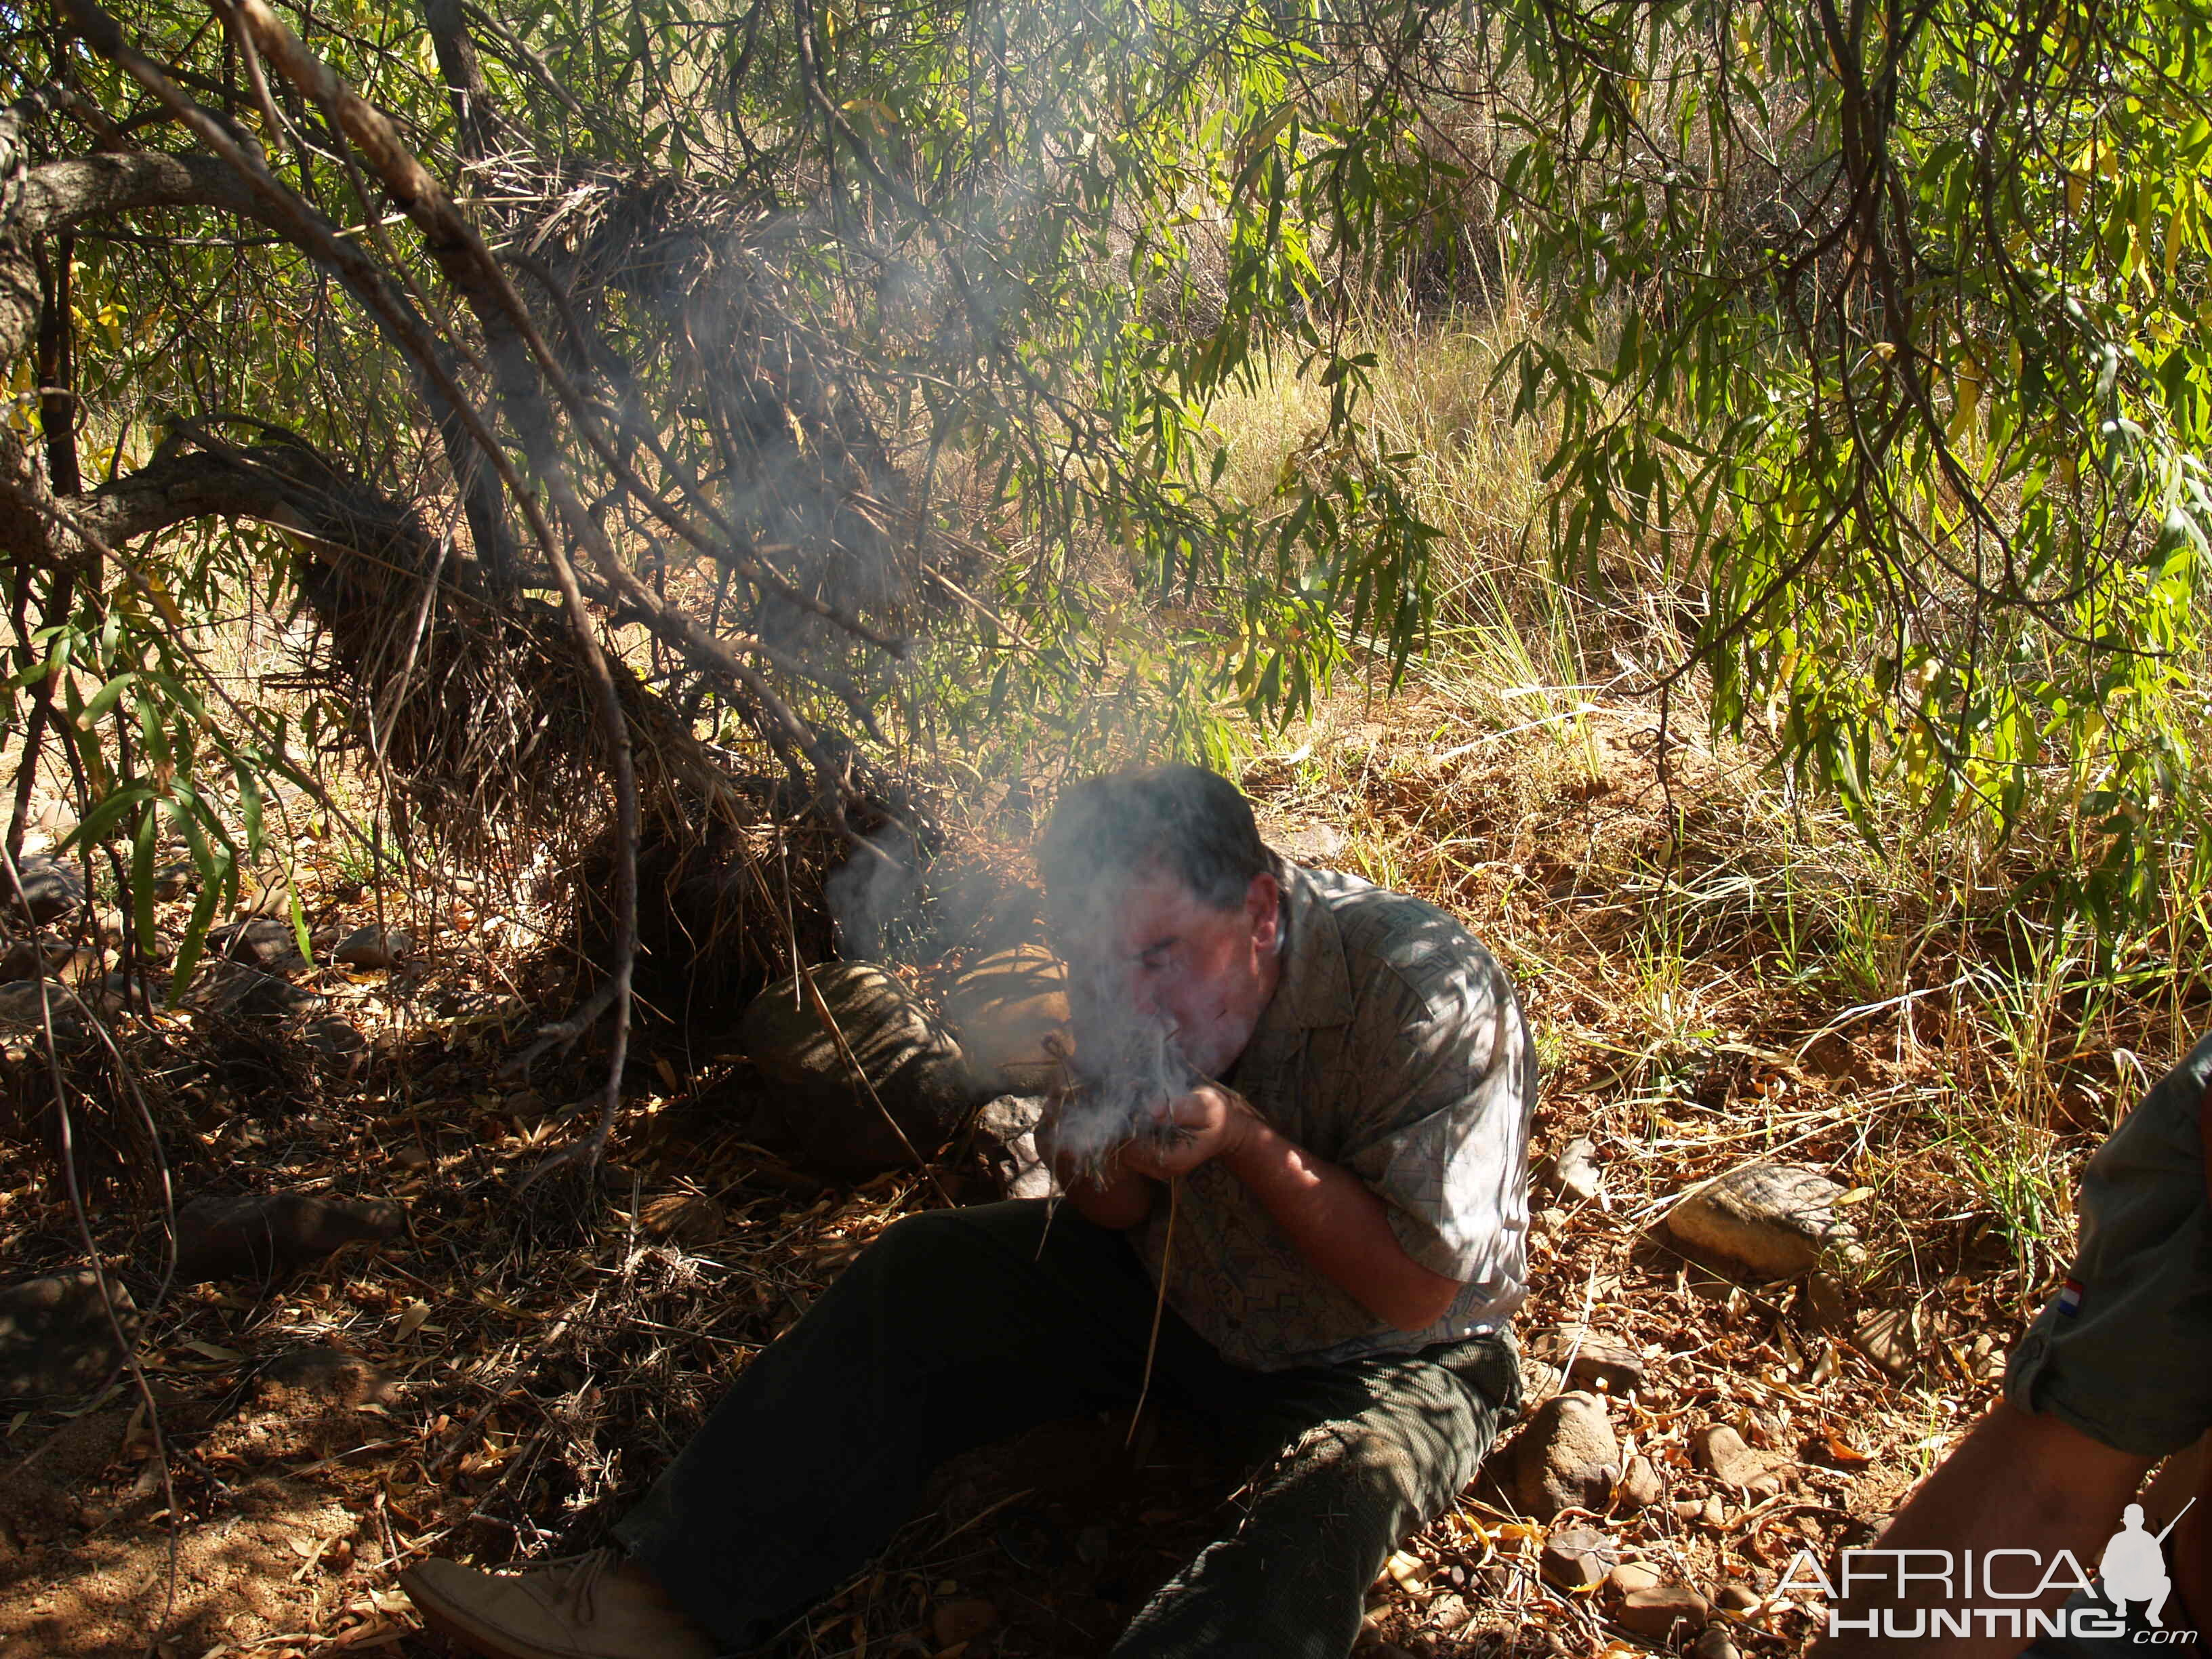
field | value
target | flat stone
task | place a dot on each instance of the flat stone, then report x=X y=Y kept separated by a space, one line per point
x=244 y=992
x=262 y=942
x=1737 y=1598
x=1566 y=1458
x=374 y=947
x=1825 y=1304
x=1658 y=1611
x=1576 y=1557
x=333 y=1038
x=1630 y=1577
x=23 y=1004
x=1597 y=1361
x=1573 y=1170
x=1640 y=1485
x=326 y=1376
x=49 y=889
x=1889 y=1338
x=28 y=958
x=1721 y=1452
x=1777 y=1220
x=1714 y=1643
x=255 y=1236
x=1004 y=1011
x=55 y=1336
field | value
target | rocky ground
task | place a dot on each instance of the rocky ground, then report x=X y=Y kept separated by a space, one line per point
x=1768 y=1285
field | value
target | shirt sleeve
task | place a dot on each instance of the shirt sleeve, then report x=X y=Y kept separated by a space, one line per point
x=1445 y=1079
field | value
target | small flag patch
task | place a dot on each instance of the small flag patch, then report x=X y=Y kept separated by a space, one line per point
x=2069 y=1298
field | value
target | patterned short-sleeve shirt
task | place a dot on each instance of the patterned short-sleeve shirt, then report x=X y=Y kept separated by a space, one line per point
x=1393 y=1045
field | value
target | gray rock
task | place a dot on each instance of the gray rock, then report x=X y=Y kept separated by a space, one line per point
x=1659 y=1611
x=1005 y=1135
x=255 y=1236
x=28 y=958
x=50 y=890
x=822 y=1112
x=173 y=881
x=55 y=1336
x=334 y=1038
x=325 y=1376
x=24 y=1005
x=1777 y=1220
x=1597 y=1361
x=1576 y=1557
x=1003 y=1011
x=1721 y=1452
x=374 y=947
x=1573 y=1171
x=1566 y=1458
x=262 y=942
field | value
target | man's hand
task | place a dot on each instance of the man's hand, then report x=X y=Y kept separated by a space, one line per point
x=1112 y=1195
x=1208 y=1122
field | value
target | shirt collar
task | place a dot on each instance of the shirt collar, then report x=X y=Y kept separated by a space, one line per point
x=1315 y=987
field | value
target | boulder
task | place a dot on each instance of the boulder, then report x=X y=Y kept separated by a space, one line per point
x=49 y=889
x=255 y=1236
x=1003 y=1011
x=820 y=1111
x=244 y=992
x=56 y=1338
x=1777 y=1220
x=1006 y=1135
x=374 y=947
x=1566 y=1458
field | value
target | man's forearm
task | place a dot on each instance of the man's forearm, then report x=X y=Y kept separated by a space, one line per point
x=1341 y=1227
x=2019 y=1481
x=1119 y=1200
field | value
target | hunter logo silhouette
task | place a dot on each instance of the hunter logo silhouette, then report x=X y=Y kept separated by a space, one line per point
x=2134 y=1567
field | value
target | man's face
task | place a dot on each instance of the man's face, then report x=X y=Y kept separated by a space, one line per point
x=1151 y=950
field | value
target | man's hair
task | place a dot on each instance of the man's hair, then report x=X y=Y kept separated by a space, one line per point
x=1184 y=821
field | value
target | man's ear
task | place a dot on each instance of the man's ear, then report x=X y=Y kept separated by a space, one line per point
x=1263 y=904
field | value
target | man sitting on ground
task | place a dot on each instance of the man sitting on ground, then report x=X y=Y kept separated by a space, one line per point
x=1345 y=1244
x=2115 y=1374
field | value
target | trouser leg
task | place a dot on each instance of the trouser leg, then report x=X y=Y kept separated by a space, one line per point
x=954 y=1328
x=1364 y=1454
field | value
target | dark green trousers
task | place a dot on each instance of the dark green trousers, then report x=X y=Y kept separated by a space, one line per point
x=961 y=1327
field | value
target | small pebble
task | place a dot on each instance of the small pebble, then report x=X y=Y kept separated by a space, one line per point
x=1738 y=1598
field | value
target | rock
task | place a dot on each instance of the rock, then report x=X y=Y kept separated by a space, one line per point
x=954 y=1622
x=1724 y=1457
x=173 y=881
x=1656 y=1612
x=48 y=959
x=1005 y=1135
x=686 y=1218
x=49 y=889
x=254 y=1236
x=1308 y=844
x=1566 y=1458
x=824 y=1116
x=333 y=1038
x=323 y=1376
x=261 y=942
x=1714 y=1513
x=1576 y=1557
x=1630 y=1577
x=374 y=947
x=25 y=1004
x=1598 y=1361
x=55 y=1336
x=1714 y=1643
x=1448 y=1612
x=1002 y=1012
x=1825 y=1304
x=1738 y=1598
x=244 y=992
x=1640 y=1485
x=1573 y=1170
x=1890 y=1337
x=1720 y=1451
x=1777 y=1220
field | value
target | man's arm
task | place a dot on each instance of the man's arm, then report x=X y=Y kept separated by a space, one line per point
x=2020 y=1481
x=1337 y=1225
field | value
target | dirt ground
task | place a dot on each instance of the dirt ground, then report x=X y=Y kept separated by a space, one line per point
x=498 y=1383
